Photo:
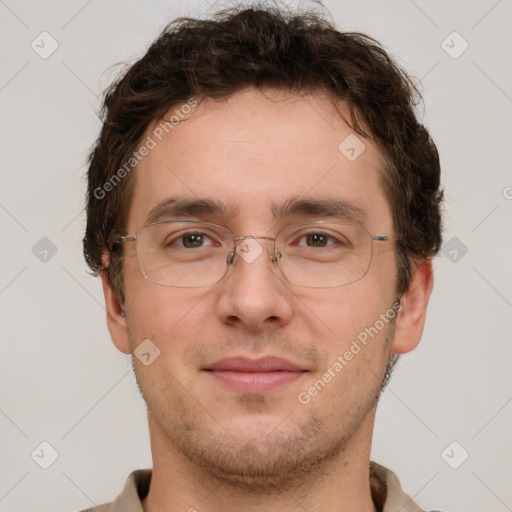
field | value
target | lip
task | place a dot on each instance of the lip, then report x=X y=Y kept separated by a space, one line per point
x=254 y=376
x=246 y=364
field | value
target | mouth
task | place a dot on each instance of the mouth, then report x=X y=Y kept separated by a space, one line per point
x=254 y=376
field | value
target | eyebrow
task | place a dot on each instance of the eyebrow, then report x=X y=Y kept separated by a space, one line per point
x=188 y=207
x=336 y=208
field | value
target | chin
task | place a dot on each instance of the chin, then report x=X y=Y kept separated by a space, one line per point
x=262 y=455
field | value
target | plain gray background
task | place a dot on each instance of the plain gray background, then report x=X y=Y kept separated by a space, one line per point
x=64 y=383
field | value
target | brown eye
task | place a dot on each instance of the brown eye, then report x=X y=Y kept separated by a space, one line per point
x=317 y=240
x=190 y=241
x=193 y=241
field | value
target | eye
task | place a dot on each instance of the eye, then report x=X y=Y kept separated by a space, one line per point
x=317 y=240
x=192 y=241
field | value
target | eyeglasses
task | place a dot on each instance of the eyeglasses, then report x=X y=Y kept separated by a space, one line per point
x=190 y=254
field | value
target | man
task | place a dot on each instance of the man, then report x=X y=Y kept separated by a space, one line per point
x=263 y=209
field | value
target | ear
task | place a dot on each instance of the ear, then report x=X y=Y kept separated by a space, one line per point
x=116 y=318
x=411 y=320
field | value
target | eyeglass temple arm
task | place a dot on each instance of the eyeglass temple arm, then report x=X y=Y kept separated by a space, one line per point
x=124 y=239
x=121 y=240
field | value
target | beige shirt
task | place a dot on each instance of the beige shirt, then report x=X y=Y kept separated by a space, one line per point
x=386 y=493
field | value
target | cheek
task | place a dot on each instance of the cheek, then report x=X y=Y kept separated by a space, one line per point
x=345 y=312
x=172 y=318
x=360 y=322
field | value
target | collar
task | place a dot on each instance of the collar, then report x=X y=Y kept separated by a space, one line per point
x=386 y=491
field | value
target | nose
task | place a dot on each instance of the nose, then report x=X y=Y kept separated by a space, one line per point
x=254 y=293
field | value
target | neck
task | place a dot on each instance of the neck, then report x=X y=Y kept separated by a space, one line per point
x=338 y=484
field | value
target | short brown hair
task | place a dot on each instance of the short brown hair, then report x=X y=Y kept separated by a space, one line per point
x=269 y=47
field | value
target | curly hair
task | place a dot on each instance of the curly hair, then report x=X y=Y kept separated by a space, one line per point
x=268 y=47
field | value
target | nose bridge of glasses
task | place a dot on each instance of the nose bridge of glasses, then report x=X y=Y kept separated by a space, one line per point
x=254 y=237
x=247 y=251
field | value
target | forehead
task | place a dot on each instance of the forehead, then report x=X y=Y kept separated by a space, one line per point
x=254 y=152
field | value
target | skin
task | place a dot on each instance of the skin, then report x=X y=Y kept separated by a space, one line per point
x=214 y=448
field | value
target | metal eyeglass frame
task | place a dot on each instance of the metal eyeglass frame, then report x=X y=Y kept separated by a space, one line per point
x=274 y=256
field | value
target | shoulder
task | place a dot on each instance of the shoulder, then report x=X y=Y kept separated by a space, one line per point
x=129 y=500
x=106 y=507
x=387 y=492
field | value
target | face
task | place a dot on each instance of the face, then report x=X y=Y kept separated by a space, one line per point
x=254 y=154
